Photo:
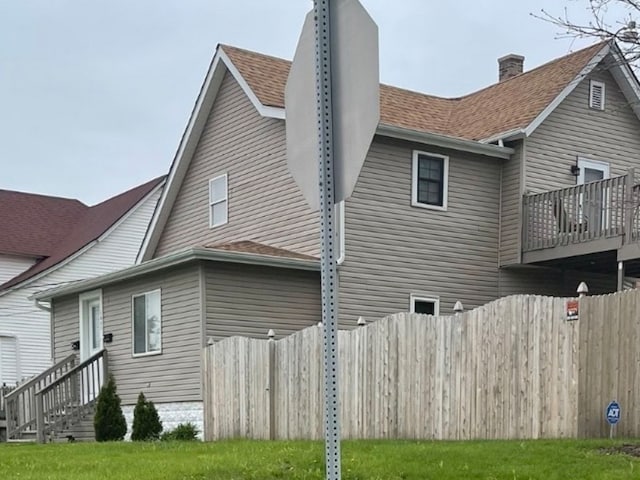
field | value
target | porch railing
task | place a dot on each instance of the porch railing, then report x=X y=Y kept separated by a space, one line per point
x=20 y=403
x=4 y=390
x=593 y=211
x=55 y=398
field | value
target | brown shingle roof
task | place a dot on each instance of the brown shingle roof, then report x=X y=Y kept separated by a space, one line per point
x=501 y=107
x=83 y=226
x=248 y=246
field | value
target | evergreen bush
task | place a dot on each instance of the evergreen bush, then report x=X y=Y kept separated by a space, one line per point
x=146 y=422
x=183 y=432
x=109 y=423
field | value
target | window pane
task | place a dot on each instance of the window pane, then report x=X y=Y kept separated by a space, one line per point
x=139 y=327
x=219 y=213
x=95 y=327
x=424 y=307
x=430 y=180
x=154 y=330
x=218 y=189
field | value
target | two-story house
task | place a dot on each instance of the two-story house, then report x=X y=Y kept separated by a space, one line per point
x=521 y=187
x=47 y=242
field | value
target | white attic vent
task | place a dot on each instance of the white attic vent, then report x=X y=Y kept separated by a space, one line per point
x=596 y=95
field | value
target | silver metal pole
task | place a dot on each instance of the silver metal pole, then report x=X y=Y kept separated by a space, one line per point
x=322 y=10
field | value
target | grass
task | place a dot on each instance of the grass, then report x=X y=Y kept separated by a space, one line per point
x=388 y=460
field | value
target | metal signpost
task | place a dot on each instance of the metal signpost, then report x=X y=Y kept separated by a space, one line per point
x=332 y=112
x=612 y=414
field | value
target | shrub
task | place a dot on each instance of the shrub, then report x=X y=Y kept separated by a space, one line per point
x=146 y=422
x=109 y=423
x=183 y=432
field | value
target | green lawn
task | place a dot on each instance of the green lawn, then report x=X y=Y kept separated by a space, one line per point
x=488 y=460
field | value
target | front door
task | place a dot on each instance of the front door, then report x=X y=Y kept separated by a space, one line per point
x=592 y=207
x=90 y=343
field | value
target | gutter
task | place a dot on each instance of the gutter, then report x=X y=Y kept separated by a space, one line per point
x=514 y=134
x=445 y=141
x=179 y=258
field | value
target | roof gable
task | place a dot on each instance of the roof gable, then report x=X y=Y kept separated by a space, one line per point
x=512 y=104
x=87 y=226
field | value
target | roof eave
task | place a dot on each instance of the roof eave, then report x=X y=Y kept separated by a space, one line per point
x=178 y=258
x=445 y=141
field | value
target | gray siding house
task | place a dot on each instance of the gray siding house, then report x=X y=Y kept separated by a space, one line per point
x=526 y=186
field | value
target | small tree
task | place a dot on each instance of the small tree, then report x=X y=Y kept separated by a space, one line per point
x=109 y=422
x=146 y=422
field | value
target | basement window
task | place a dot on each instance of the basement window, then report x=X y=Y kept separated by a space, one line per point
x=424 y=305
x=596 y=95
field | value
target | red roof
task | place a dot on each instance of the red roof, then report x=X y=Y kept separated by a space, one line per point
x=56 y=228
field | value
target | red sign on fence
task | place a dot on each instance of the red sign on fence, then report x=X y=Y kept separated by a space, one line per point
x=572 y=310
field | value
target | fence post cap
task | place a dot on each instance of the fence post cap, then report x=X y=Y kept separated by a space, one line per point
x=320 y=324
x=458 y=307
x=361 y=322
x=582 y=289
x=271 y=334
x=210 y=341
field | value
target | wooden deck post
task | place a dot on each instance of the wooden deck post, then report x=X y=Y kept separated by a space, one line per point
x=40 y=437
x=629 y=207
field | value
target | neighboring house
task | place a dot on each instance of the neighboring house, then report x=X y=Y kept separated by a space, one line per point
x=445 y=209
x=47 y=242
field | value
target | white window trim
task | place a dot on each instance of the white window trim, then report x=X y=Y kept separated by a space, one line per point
x=592 y=84
x=82 y=299
x=133 y=338
x=212 y=203
x=594 y=165
x=414 y=181
x=413 y=298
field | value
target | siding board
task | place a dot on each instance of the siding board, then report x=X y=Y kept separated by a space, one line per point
x=394 y=249
x=265 y=204
x=175 y=373
x=574 y=129
x=249 y=300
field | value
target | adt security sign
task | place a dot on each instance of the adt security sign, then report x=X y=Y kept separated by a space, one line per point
x=613 y=413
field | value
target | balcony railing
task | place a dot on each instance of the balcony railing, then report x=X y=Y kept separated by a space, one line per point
x=594 y=211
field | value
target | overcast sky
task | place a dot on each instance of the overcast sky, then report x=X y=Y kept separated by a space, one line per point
x=95 y=94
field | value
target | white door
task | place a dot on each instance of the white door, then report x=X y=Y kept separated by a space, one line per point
x=91 y=343
x=592 y=207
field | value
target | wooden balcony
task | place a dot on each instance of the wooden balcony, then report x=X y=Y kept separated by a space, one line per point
x=602 y=216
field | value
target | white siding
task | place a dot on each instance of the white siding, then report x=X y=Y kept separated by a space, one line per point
x=21 y=318
x=10 y=266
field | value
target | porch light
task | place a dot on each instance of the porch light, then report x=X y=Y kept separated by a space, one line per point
x=575 y=170
x=107 y=337
x=75 y=345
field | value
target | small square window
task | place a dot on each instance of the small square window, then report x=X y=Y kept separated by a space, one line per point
x=147 y=323
x=596 y=95
x=218 y=201
x=424 y=305
x=430 y=180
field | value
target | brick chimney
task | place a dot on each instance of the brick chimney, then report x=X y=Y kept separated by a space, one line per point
x=510 y=66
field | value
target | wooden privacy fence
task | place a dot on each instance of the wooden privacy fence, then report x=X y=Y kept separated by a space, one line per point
x=515 y=368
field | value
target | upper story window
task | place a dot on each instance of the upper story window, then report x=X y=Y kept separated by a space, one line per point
x=596 y=95
x=147 y=323
x=424 y=305
x=430 y=176
x=218 y=201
